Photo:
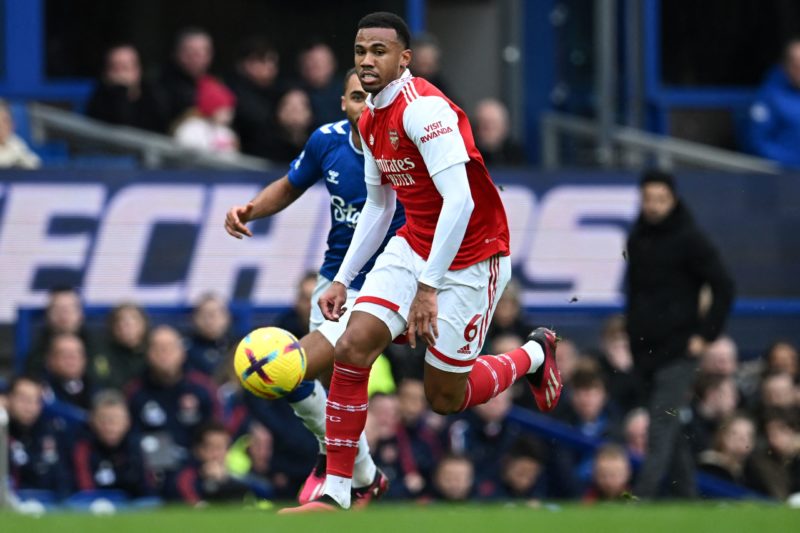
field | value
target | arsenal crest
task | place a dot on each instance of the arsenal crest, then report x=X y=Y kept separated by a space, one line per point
x=394 y=138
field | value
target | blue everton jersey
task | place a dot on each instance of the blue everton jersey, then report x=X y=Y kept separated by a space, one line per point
x=330 y=155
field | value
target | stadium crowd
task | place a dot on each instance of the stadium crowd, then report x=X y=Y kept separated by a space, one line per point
x=153 y=411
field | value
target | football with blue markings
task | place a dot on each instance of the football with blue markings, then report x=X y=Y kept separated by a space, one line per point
x=270 y=362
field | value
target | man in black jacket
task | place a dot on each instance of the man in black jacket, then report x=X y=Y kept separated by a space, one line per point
x=669 y=263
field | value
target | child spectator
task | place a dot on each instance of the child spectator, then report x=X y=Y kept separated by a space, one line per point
x=454 y=478
x=13 y=150
x=35 y=461
x=296 y=320
x=733 y=444
x=110 y=456
x=123 y=357
x=522 y=471
x=589 y=408
x=209 y=129
x=206 y=478
x=611 y=475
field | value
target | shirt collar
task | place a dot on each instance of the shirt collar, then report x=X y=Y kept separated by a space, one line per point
x=388 y=93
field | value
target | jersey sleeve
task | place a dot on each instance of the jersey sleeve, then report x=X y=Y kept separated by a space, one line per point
x=372 y=174
x=432 y=125
x=307 y=168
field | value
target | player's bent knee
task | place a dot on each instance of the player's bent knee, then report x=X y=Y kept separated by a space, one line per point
x=349 y=349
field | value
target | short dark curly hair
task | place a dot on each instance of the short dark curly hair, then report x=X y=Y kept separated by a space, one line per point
x=384 y=19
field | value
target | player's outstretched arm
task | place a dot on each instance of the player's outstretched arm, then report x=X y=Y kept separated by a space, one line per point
x=272 y=199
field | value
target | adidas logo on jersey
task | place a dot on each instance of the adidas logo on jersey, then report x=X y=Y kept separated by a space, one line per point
x=465 y=350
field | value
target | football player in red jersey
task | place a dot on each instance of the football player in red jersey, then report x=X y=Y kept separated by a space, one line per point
x=440 y=277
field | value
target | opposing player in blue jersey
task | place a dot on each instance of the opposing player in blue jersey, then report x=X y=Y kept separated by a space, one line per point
x=333 y=153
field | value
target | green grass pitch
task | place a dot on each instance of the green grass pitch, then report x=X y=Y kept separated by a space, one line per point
x=389 y=518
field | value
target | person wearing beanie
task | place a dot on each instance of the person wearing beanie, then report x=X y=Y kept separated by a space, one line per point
x=208 y=126
x=670 y=261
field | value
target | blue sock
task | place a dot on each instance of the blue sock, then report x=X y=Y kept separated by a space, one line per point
x=301 y=392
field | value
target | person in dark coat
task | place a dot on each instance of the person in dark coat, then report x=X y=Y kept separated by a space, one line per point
x=257 y=88
x=193 y=54
x=670 y=260
x=108 y=455
x=122 y=97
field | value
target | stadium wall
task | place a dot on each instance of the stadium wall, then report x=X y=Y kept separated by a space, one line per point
x=156 y=237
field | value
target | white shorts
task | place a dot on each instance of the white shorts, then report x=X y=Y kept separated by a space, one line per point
x=466 y=301
x=330 y=330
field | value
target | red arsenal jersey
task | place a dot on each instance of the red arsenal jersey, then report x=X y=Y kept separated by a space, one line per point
x=410 y=132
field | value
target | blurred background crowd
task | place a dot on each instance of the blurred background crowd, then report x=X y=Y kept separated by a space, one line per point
x=153 y=410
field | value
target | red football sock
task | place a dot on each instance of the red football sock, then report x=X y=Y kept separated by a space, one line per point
x=492 y=374
x=345 y=417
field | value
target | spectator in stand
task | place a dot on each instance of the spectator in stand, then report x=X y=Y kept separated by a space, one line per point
x=13 y=150
x=294 y=448
x=782 y=357
x=296 y=320
x=733 y=443
x=318 y=73
x=35 y=461
x=64 y=314
x=419 y=446
x=778 y=392
x=484 y=434
x=251 y=458
x=669 y=262
x=454 y=479
x=426 y=62
x=122 y=97
x=611 y=475
x=257 y=88
x=123 y=357
x=294 y=124
x=67 y=378
x=192 y=57
x=167 y=403
x=616 y=362
x=109 y=456
x=383 y=419
x=634 y=429
x=590 y=410
x=720 y=357
x=523 y=469
x=210 y=343
x=774 y=128
x=716 y=399
x=775 y=466
x=493 y=134
x=206 y=478
x=208 y=128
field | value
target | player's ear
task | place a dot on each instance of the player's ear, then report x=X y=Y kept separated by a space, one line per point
x=405 y=58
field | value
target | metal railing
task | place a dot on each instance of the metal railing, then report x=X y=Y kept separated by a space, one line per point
x=154 y=150
x=667 y=150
